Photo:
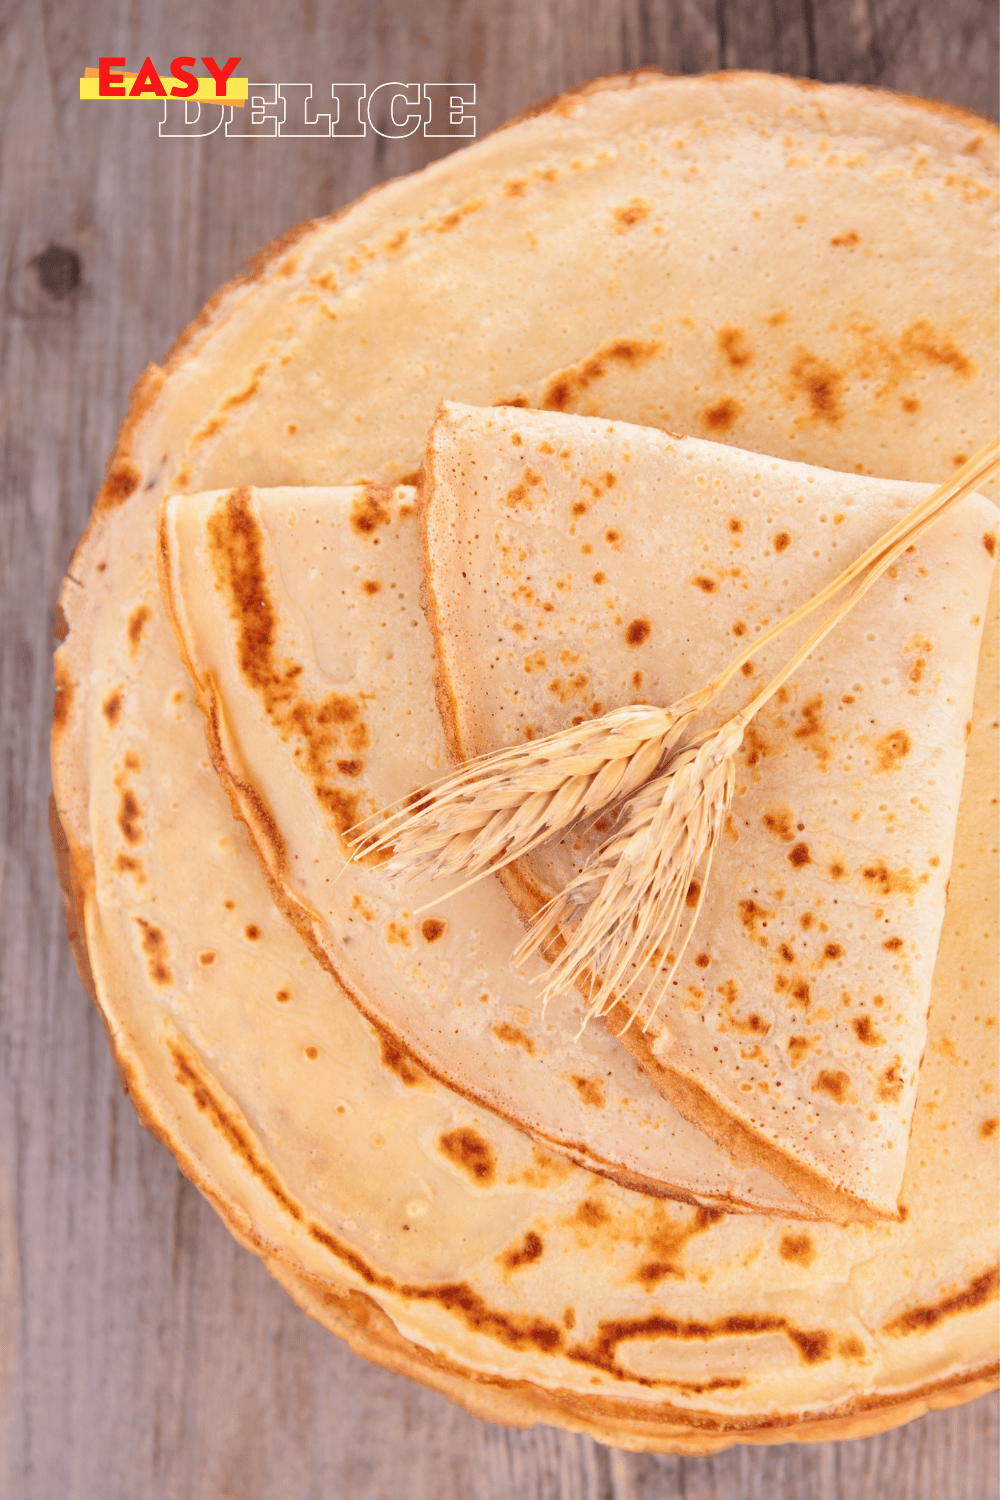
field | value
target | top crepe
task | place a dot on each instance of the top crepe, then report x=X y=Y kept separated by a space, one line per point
x=576 y=565
x=503 y=270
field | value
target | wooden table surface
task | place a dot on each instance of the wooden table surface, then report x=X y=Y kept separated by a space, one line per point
x=142 y=1352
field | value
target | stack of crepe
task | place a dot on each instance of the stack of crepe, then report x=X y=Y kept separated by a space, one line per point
x=772 y=1212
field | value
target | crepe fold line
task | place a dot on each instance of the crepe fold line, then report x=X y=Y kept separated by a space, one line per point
x=354 y=320
x=575 y=566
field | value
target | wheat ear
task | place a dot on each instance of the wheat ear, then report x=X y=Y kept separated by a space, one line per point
x=626 y=906
x=501 y=806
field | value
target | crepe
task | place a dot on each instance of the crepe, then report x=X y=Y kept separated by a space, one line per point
x=689 y=1331
x=574 y=566
x=296 y=613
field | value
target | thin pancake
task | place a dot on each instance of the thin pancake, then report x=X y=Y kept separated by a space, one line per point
x=574 y=566
x=296 y=613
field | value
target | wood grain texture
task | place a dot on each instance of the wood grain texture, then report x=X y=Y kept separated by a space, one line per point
x=142 y=1353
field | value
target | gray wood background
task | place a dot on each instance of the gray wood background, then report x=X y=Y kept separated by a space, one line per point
x=142 y=1353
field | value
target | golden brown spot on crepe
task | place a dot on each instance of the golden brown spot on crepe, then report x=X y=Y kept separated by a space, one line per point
x=591 y=1090
x=889 y=882
x=534 y=662
x=530 y=1249
x=454 y=218
x=787 y=952
x=832 y=1081
x=111 y=707
x=122 y=481
x=922 y=341
x=312 y=1053
x=990 y=543
x=137 y=620
x=721 y=415
x=637 y=632
x=154 y=945
x=866 y=1033
x=371 y=510
x=851 y=1348
x=130 y=817
x=396 y=933
x=833 y=951
x=351 y=767
x=372 y=586
x=397 y=1060
x=782 y=541
x=469 y=1151
x=432 y=928
x=565 y=388
x=812 y=728
x=797 y=1247
x=848 y=240
x=989 y=1127
x=778 y=820
x=591 y=1213
x=981 y=1290
x=892 y=749
x=798 y=1046
x=814 y=1347
x=893 y=944
x=252 y=932
x=736 y=526
x=732 y=342
x=613 y=537
x=890 y=1084
x=283 y=996
x=126 y=864
x=693 y=892
x=342 y=806
x=821 y=384
x=801 y=993
x=505 y=1032
x=229 y=905
x=799 y=856
x=515 y=187
x=62 y=699
x=631 y=213
x=707 y=585
x=751 y=912
x=206 y=957
x=755 y=745
x=703 y=960
x=326 y=281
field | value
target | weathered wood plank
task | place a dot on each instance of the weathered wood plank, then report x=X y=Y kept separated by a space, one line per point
x=142 y=1353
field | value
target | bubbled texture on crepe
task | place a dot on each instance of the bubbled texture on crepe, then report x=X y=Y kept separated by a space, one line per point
x=898 y=1307
x=575 y=566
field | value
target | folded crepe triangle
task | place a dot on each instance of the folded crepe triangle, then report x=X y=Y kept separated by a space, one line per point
x=297 y=614
x=574 y=566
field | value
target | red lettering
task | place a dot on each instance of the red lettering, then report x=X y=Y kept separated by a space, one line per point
x=179 y=69
x=147 y=81
x=107 y=82
x=220 y=74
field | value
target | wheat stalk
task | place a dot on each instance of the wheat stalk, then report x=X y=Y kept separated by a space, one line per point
x=501 y=806
x=626 y=906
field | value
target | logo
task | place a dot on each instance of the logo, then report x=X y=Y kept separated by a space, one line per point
x=193 y=106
